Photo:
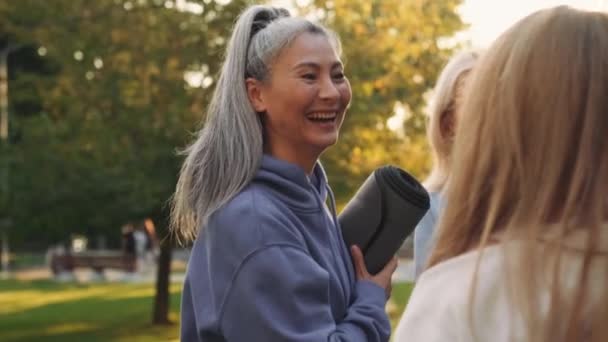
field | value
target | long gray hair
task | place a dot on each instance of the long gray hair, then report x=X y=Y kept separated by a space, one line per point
x=229 y=148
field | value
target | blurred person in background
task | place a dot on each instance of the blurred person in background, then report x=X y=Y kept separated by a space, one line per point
x=443 y=115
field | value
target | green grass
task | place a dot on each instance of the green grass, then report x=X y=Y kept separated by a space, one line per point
x=399 y=297
x=48 y=311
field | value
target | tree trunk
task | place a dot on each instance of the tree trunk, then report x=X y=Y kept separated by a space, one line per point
x=161 y=300
x=160 y=315
x=4 y=255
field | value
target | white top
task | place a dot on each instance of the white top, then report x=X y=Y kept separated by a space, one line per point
x=438 y=309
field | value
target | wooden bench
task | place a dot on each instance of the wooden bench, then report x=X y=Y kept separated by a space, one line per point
x=98 y=261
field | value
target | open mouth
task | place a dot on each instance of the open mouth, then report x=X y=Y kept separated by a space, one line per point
x=322 y=117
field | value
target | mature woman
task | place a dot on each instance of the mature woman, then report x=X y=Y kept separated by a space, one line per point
x=444 y=113
x=269 y=262
x=522 y=250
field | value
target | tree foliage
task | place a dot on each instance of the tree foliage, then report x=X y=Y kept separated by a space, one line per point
x=101 y=120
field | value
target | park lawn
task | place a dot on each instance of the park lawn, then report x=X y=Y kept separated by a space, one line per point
x=48 y=311
x=399 y=297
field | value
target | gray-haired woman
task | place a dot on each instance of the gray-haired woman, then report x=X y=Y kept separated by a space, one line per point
x=269 y=262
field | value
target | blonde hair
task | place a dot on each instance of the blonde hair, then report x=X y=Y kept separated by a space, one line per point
x=533 y=164
x=445 y=102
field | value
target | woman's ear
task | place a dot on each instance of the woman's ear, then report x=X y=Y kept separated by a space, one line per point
x=254 y=92
x=447 y=124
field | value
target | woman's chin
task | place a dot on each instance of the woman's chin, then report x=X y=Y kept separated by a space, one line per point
x=325 y=141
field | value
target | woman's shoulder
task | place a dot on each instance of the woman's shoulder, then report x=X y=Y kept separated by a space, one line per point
x=466 y=262
x=450 y=283
x=250 y=207
x=250 y=221
x=442 y=298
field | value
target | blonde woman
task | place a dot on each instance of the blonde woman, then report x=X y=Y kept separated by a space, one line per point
x=522 y=249
x=443 y=115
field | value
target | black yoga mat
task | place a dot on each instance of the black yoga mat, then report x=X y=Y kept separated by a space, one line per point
x=382 y=214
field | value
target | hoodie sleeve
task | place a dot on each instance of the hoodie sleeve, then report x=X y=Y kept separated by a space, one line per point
x=281 y=294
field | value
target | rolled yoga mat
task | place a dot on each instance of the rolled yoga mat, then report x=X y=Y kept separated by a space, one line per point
x=382 y=214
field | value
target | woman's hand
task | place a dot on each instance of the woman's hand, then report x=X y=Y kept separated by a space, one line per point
x=382 y=279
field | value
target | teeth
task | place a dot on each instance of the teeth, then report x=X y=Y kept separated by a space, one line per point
x=322 y=116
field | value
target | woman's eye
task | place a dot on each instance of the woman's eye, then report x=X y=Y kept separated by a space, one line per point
x=309 y=76
x=339 y=75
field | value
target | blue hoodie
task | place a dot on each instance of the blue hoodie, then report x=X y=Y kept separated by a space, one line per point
x=271 y=265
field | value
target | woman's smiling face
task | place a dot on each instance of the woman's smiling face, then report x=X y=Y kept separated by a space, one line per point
x=304 y=100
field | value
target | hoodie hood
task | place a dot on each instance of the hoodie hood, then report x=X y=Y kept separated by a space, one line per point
x=292 y=185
